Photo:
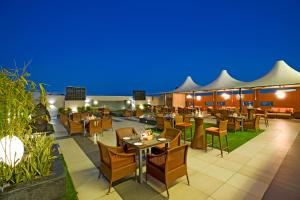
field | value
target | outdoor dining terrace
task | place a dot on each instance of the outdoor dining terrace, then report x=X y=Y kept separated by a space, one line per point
x=244 y=170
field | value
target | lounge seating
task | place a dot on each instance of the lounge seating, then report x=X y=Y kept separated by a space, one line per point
x=278 y=112
x=126 y=113
x=107 y=123
x=220 y=131
x=76 y=117
x=159 y=122
x=168 y=166
x=168 y=123
x=173 y=134
x=64 y=120
x=233 y=124
x=138 y=113
x=115 y=163
x=252 y=123
x=74 y=127
x=94 y=126
x=125 y=132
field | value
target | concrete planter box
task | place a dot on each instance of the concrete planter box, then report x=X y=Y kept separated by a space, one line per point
x=45 y=188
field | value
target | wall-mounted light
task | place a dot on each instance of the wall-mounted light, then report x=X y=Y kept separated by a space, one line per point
x=128 y=102
x=189 y=96
x=280 y=94
x=87 y=101
x=74 y=109
x=238 y=96
x=86 y=104
x=225 y=96
x=95 y=102
x=11 y=150
x=149 y=101
x=198 y=98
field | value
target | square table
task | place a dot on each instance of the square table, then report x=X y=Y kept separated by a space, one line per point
x=146 y=144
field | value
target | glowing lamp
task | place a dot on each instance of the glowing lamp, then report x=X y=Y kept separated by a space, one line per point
x=225 y=96
x=74 y=109
x=95 y=102
x=198 y=98
x=141 y=107
x=51 y=101
x=87 y=101
x=128 y=101
x=11 y=150
x=280 y=94
x=189 y=96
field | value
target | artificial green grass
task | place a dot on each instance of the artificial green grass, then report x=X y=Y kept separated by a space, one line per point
x=235 y=139
x=71 y=193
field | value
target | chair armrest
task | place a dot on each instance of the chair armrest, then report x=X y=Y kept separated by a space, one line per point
x=115 y=150
x=149 y=156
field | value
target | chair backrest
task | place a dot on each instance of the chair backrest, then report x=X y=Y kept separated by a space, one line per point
x=76 y=116
x=256 y=124
x=174 y=135
x=167 y=123
x=124 y=132
x=178 y=119
x=223 y=126
x=84 y=115
x=176 y=157
x=187 y=118
x=95 y=123
x=159 y=122
x=104 y=153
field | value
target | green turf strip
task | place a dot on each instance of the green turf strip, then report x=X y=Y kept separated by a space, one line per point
x=235 y=139
x=71 y=193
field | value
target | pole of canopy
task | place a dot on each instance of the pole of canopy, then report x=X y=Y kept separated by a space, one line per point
x=241 y=100
x=165 y=99
x=214 y=99
x=193 y=99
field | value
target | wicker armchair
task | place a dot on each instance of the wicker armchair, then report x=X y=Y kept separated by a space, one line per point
x=252 y=123
x=125 y=132
x=94 y=126
x=126 y=113
x=84 y=115
x=168 y=123
x=160 y=122
x=168 y=166
x=74 y=127
x=115 y=163
x=76 y=117
x=233 y=124
x=107 y=123
x=174 y=135
x=139 y=113
x=64 y=119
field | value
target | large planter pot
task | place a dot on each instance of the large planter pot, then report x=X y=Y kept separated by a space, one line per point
x=45 y=188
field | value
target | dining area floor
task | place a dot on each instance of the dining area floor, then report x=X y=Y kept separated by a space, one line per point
x=244 y=173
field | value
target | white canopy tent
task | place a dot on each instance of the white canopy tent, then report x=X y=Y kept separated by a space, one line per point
x=187 y=86
x=280 y=75
x=223 y=82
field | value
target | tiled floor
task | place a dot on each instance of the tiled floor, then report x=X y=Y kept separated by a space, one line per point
x=245 y=173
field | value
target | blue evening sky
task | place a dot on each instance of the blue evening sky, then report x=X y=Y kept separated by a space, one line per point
x=113 y=47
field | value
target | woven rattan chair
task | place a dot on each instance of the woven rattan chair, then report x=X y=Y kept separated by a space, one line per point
x=252 y=123
x=168 y=166
x=107 y=123
x=233 y=124
x=115 y=163
x=84 y=115
x=173 y=134
x=125 y=132
x=74 y=127
x=219 y=132
x=168 y=123
x=94 y=126
x=76 y=117
x=159 y=122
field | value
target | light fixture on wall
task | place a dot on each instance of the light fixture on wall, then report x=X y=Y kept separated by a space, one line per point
x=128 y=102
x=189 y=96
x=280 y=94
x=51 y=101
x=225 y=96
x=74 y=109
x=87 y=101
x=198 y=98
x=238 y=96
x=141 y=106
x=95 y=102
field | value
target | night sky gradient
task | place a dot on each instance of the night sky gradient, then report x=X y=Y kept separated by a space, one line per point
x=113 y=47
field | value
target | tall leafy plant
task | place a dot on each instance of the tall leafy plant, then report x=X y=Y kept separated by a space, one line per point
x=16 y=108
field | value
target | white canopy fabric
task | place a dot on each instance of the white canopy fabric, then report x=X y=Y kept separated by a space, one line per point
x=280 y=75
x=223 y=82
x=187 y=86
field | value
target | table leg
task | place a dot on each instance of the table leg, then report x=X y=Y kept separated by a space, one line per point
x=84 y=130
x=140 y=165
x=184 y=135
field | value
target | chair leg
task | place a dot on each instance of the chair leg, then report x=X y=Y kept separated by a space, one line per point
x=220 y=143
x=187 y=178
x=227 y=143
x=167 y=191
x=212 y=141
x=205 y=142
x=110 y=184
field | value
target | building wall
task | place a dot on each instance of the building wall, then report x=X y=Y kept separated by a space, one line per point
x=178 y=100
